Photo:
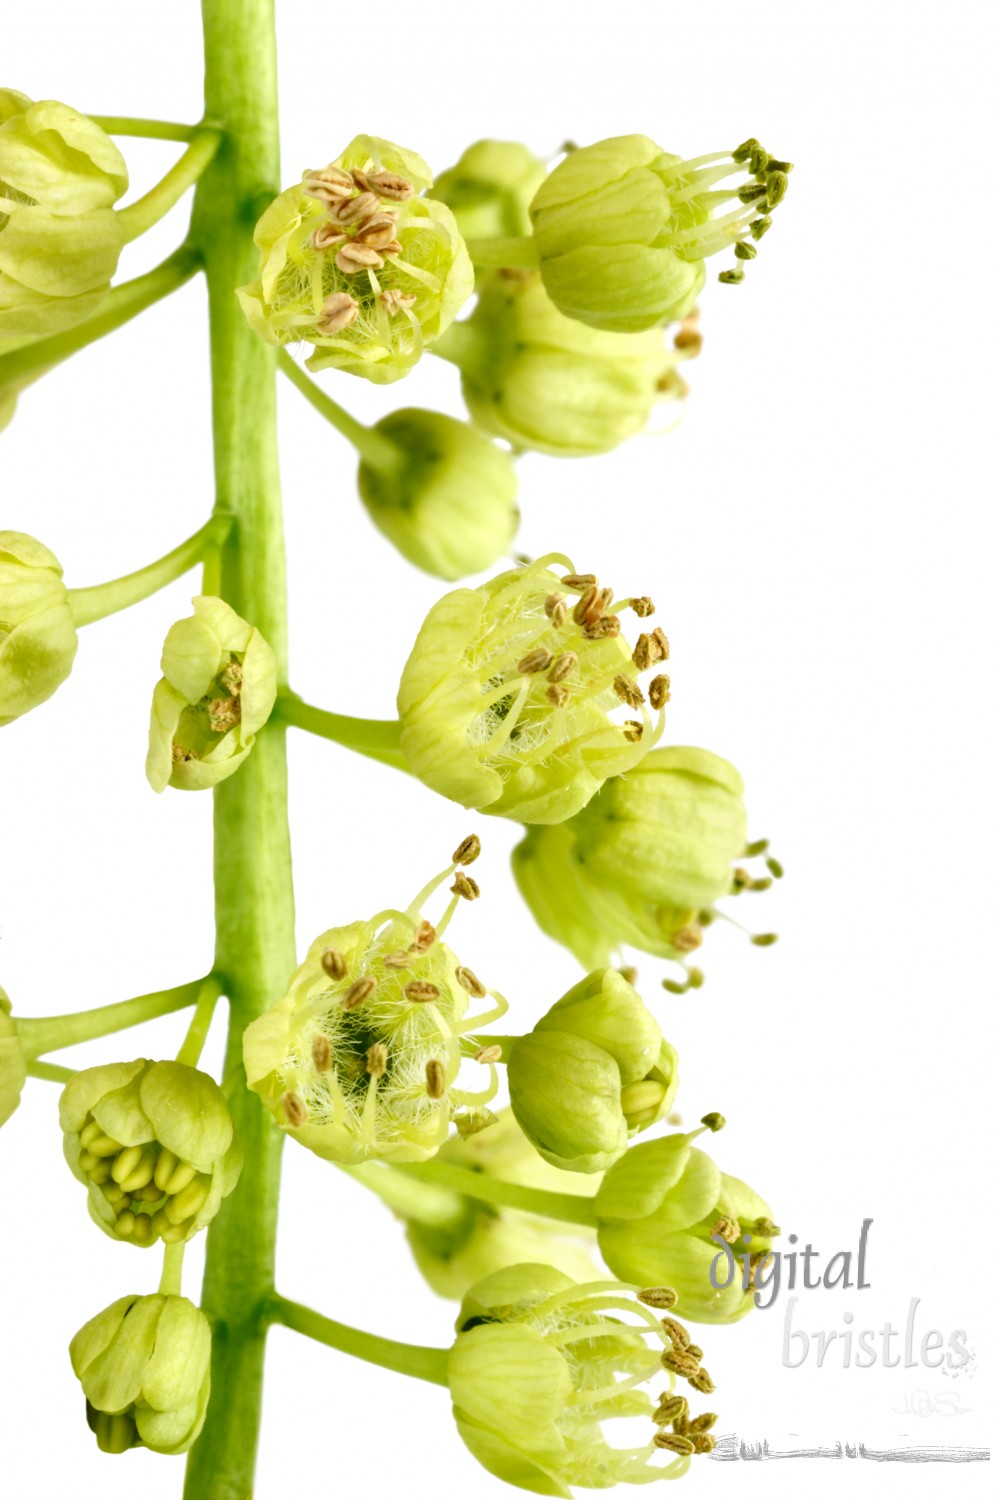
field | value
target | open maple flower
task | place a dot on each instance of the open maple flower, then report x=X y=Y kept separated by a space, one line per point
x=355 y=261
x=361 y=1057
x=37 y=633
x=509 y=700
x=540 y=1363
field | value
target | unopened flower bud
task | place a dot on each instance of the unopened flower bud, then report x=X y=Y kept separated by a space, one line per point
x=59 y=237
x=490 y=188
x=218 y=687
x=144 y=1365
x=405 y=289
x=449 y=504
x=480 y=730
x=623 y=229
x=594 y=1071
x=37 y=634
x=13 y=1069
x=155 y=1145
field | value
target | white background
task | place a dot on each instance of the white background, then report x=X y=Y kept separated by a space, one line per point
x=817 y=534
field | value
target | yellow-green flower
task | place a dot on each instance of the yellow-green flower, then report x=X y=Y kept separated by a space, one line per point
x=508 y=702
x=354 y=261
x=13 y=1069
x=219 y=683
x=155 y=1145
x=490 y=188
x=60 y=238
x=37 y=634
x=144 y=1364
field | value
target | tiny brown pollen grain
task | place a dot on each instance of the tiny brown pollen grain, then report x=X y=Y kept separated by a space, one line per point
x=465 y=887
x=358 y=992
x=332 y=963
x=377 y=1059
x=421 y=991
x=423 y=937
x=489 y=1055
x=322 y=1053
x=470 y=983
x=437 y=1079
x=659 y=691
x=468 y=850
x=295 y=1111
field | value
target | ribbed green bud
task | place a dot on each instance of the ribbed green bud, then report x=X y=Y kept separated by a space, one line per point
x=37 y=634
x=360 y=1059
x=507 y=698
x=476 y=1239
x=13 y=1071
x=355 y=263
x=594 y=1071
x=219 y=683
x=623 y=228
x=658 y=1209
x=538 y=1365
x=490 y=188
x=640 y=863
x=548 y=382
x=144 y=1364
x=59 y=237
x=155 y=1145
x=449 y=503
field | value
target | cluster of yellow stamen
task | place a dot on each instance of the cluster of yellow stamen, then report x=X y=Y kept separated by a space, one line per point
x=687 y=1435
x=361 y=229
x=154 y=1194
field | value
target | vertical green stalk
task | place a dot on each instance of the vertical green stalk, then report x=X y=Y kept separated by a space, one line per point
x=254 y=901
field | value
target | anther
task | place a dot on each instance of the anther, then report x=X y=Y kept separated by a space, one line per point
x=628 y=691
x=660 y=645
x=776 y=868
x=702 y=1382
x=390 y=185
x=579 y=582
x=759 y=227
x=377 y=1059
x=764 y=939
x=338 y=312
x=295 y=1111
x=674 y=1442
x=743 y=251
x=704 y=1423
x=538 y=660
x=742 y=153
x=686 y=939
x=671 y=1409
x=589 y=606
x=633 y=731
x=322 y=1053
x=679 y=1362
x=332 y=963
x=765 y=1228
x=703 y=1442
x=223 y=714
x=352 y=210
x=393 y=301
x=470 y=983
x=696 y=1351
x=378 y=231
x=731 y=278
x=603 y=628
x=327 y=235
x=328 y=184
x=358 y=992
x=658 y=1296
x=677 y=1332
x=751 y=192
x=352 y=257
x=563 y=666
x=558 y=695
x=777 y=187
x=424 y=937
x=726 y=1229
x=465 y=887
x=714 y=1121
x=629 y=973
x=400 y=959
x=659 y=691
x=644 y=606
x=421 y=991
x=489 y=1055
x=468 y=850
x=554 y=605
x=437 y=1079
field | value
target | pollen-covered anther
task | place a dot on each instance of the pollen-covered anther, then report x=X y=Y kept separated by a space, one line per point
x=468 y=850
x=703 y=1423
x=628 y=691
x=702 y=1381
x=603 y=628
x=674 y=1442
x=714 y=1121
x=359 y=992
x=390 y=185
x=437 y=1079
x=328 y=184
x=488 y=1055
x=555 y=609
x=766 y=1228
x=421 y=991
x=756 y=1261
x=679 y=1362
x=377 y=1059
x=223 y=714
x=231 y=677
x=400 y=959
x=333 y=964
x=353 y=257
x=687 y=939
x=424 y=937
x=677 y=1332
x=327 y=235
x=470 y=983
x=633 y=731
x=689 y=341
x=658 y=1296
x=590 y=606
x=338 y=311
x=353 y=210
x=295 y=1110
x=726 y=1229
x=659 y=691
x=465 y=887
x=695 y=1351
x=378 y=231
x=394 y=301
x=558 y=694
x=538 y=660
x=579 y=582
x=671 y=1409
x=322 y=1053
x=703 y=1442
x=643 y=606
x=563 y=666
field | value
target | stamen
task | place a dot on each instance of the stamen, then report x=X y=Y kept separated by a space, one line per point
x=327 y=235
x=629 y=692
x=488 y=1055
x=470 y=983
x=359 y=992
x=538 y=660
x=400 y=959
x=322 y=1053
x=353 y=257
x=468 y=850
x=644 y=606
x=674 y=1442
x=423 y=938
x=338 y=312
x=563 y=666
x=579 y=582
x=465 y=887
x=437 y=1079
x=377 y=1059
x=658 y=1296
x=333 y=963
x=421 y=991
x=295 y=1111
x=714 y=1121
x=353 y=210
x=659 y=691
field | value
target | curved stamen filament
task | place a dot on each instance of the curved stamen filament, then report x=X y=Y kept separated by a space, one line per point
x=508 y=723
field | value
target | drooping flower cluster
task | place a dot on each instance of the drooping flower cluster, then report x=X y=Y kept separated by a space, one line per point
x=356 y=263
x=361 y=1057
x=507 y=698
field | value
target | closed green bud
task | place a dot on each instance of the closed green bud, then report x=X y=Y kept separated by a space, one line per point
x=539 y=1364
x=355 y=263
x=37 y=634
x=13 y=1069
x=507 y=698
x=594 y=1071
x=155 y=1145
x=219 y=683
x=467 y=1240
x=623 y=229
x=643 y=862
x=144 y=1364
x=664 y=1211
x=59 y=237
x=360 y=1059
x=548 y=382
x=490 y=188
x=448 y=503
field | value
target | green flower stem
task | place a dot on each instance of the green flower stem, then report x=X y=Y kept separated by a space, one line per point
x=518 y=252
x=152 y=206
x=170 y=1276
x=424 y=1202
x=21 y=366
x=406 y=1359
x=566 y=1207
x=197 y=1033
x=104 y=599
x=255 y=918
x=377 y=451
x=150 y=130
x=50 y=1072
x=51 y=1033
x=376 y=738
